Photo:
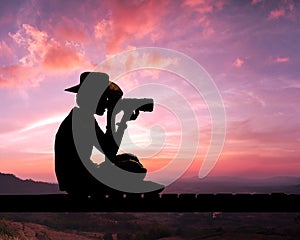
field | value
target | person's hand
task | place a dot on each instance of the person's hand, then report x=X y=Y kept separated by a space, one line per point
x=134 y=115
x=129 y=116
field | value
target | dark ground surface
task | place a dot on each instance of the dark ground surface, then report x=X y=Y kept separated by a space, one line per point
x=132 y=226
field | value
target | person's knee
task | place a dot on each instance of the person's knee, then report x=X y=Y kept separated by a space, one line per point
x=126 y=156
x=130 y=162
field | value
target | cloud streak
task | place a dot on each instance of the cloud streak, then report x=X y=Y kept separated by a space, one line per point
x=275 y=14
x=20 y=76
x=282 y=59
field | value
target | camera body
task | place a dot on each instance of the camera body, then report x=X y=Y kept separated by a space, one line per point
x=136 y=104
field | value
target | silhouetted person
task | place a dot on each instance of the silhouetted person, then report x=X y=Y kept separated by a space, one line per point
x=79 y=133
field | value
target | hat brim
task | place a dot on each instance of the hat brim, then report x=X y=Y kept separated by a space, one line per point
x=73 y=89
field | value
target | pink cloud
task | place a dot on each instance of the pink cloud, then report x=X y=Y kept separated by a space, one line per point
x=282 y=60
x=244 y=135
x=70 y=30
x=275 y=14
x=129 y=21
x=286 y=9
x=47 y=52
x=44 y=54
x=256 y=2
x=204 y=6
x=20 y=76
x=61 y=58
x=34 y=41
x=193 y=3
x=208 y=30
x=156 y=59
x=255 y=165
x=238 y=63
x=102 y=29
x=277 y=60
x=5 y=51
x=151 y=59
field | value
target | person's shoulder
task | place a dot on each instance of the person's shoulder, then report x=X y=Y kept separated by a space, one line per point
x=73 y=111
x=68 y=117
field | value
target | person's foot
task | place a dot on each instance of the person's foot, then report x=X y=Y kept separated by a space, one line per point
x=149 y=187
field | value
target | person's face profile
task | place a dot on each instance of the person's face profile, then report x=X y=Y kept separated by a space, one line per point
x=102 y=106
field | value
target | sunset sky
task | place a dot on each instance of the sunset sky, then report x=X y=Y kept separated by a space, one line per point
x=249 y=48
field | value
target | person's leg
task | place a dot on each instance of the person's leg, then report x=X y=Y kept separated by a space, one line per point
x=130 y=163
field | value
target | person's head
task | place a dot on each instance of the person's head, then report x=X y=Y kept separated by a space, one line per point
x=95 y=92
x=109 y=98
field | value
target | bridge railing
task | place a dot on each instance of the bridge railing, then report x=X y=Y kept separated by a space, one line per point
x=275 y=202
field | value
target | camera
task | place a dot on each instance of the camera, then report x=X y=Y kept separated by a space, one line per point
x=136 y=104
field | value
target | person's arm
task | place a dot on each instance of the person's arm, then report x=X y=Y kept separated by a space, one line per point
x=113 y=136
x=105 y=142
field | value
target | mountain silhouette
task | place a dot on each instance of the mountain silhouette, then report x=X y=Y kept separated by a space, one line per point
x=10 y=184
x=283 y=184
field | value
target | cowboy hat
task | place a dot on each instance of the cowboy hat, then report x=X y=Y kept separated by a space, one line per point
x=113 y=88
x=84 y=75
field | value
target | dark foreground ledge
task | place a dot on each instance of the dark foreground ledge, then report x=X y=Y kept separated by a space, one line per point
x=276 y=202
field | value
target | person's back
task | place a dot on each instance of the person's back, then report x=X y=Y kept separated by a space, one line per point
x=70 y=170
